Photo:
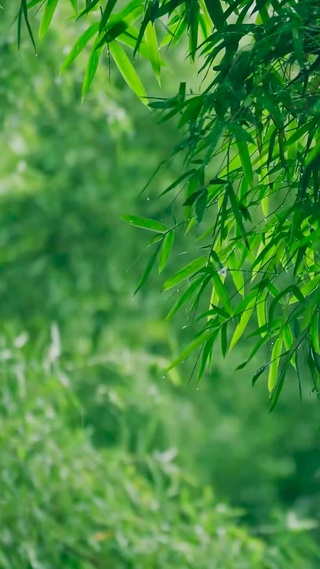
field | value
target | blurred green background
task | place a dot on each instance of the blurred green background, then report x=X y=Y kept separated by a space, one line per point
x=106 y=459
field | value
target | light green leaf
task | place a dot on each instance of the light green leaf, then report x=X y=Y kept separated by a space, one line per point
x=152 y=44
x=92 y=67
x=185 y=273
x=49 y=10
x=275 y=358
x=80 y=45
x=261 y=311
x=144 y=223
x=244 y=320
x=207 y=352
x=192 y=347
x=245 y=160
x=221 y=291
x=127 y=71
x=166 y=250
x=186 y=295
x=314 y=332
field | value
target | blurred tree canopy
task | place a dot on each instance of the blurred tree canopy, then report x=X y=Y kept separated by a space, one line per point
x=249 y=138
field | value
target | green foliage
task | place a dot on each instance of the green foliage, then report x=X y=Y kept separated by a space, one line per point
x=106 y=459
x=65 y=503
x=251 y=136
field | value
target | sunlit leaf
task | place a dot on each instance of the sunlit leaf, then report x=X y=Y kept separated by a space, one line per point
x=127 y=71
x=275 y=359
x=48 y=13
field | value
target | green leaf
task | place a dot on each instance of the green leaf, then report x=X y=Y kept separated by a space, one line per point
x=49 y=10
x=221 y=292
x=148 y=269
x=202 y=338
x=275 y=358
x=245 y=160
x=89 y=7
x=215 y=12
x=313 y=154
x=127 y=71
x=152 y=44
x=239 y=132
x=185 y=273
x=314 y=332
x=206 y=352
x=185 y=297
x=200 y=206
x=106 y=14
x=80 y=45
x=92 y=67
x=23 y=11
x=236 y=212
x=144 y=223
x=166 y=250
x=259 y=372
x=244 y=320
x=74 y=4
x=224 y=338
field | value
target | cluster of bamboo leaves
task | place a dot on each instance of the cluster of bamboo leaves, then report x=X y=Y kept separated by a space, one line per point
x=251 y=145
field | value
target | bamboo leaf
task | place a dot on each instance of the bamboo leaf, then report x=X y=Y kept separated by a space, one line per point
x=185 y=297
x=106 y=14
x=206 y=352
x=245 y=160
x=92 y=67
x=244 y=320
x=48 y=13
x=237 y=214
x=80 y=45
x=148 y=269
x=275 y=358
x=185 y=273
x=259 y=372
x=221 y=292
x=200 y=206
x=127 y=71
x=144 y=223
x=152 y=44
x=166 y=250
x=202 y=338
x=314 y=332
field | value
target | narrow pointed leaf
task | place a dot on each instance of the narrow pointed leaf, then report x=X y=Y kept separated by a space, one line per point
x=185 y=273
x=80 y=44
x=144 y=223
x=166 y=250
x=152 y=45
x=148 y=269
x=49 y=10
x=275 y=358
x=244 y=320
x=221 y=292
x=191 y=348
x=127 y=71
x=185 y=297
